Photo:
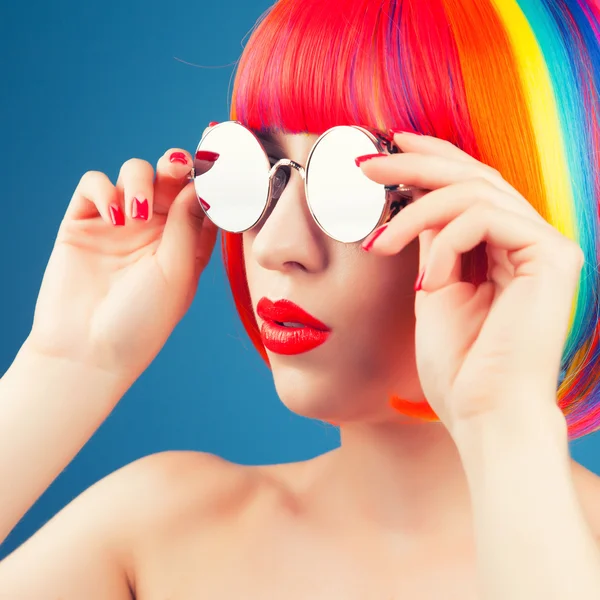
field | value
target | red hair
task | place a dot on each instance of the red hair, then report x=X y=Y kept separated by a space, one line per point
x=446 y=68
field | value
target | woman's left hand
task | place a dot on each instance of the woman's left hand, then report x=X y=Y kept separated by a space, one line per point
x=493 y=350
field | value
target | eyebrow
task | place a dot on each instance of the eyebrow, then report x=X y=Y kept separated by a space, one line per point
x=270 y=143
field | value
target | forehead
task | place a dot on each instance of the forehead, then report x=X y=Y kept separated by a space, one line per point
x=284 y=141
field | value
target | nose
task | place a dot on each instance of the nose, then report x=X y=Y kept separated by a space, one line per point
x=289 y=238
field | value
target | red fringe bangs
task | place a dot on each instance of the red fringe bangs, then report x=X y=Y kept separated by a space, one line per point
x=313 y=65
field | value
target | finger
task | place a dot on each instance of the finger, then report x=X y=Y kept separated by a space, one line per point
x=205 y=245
x=432 y=172
x=188 y=237
x=526 y=242
x=172 y=175
x=95 y=195
x=205 y=159
x=436 y=209
x=425 y=240
x=503 y=269
x=427 y=144
x=210 y=126
x=136 y=183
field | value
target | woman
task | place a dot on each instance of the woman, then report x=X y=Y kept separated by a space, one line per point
x=456 y=396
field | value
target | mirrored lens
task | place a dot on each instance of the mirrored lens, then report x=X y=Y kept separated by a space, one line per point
x=236 y=186
x=345 y=203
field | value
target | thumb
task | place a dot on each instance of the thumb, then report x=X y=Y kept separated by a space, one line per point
x=188 y=238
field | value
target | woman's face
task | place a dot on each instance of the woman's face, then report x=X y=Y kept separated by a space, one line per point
x=366 y=301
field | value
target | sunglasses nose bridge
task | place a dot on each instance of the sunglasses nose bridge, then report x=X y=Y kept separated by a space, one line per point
x=283 y=162
x=286 y=162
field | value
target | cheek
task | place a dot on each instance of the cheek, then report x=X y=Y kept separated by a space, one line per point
x=387 y=285
x=391 y=319
x=386 y=300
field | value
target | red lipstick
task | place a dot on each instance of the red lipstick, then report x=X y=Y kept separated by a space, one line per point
x=288 y=329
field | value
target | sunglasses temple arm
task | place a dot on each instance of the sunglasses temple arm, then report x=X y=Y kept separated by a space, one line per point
x=398 y=197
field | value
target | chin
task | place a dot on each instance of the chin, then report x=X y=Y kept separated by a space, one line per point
x=327 y=398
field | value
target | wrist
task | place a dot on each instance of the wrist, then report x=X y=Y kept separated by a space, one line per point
x=73 y=376
x=507 y=436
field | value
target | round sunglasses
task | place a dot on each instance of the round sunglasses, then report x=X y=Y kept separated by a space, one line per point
x=240 y=188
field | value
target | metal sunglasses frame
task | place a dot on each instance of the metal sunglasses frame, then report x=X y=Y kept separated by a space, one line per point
x=396 y=196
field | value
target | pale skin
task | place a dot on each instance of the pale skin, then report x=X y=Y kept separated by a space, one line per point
x=400 y=510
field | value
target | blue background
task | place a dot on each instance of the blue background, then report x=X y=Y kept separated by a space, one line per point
x=85 y=86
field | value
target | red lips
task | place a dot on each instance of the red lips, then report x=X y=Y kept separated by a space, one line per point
x=308 y=334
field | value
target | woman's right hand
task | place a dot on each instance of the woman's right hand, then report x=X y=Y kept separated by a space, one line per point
x=116 y=283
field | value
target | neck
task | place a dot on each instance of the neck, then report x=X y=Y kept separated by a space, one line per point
x=404 y=476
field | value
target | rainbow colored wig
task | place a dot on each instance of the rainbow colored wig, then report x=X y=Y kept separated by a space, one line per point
x=515 y=83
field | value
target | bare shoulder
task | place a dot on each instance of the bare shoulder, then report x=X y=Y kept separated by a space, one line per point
x=90 y=548
x=185 y=484
x=200 y=508
x=168 y=488
x=169 y=477
x=587 y=485
x=159 y=499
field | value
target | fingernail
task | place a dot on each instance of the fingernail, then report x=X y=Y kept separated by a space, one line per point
x=139 y=210
x=368 y=244
x=116 y=215
x=393 y=132
x=213 y=123
x=207 y=155
x=205 y=205
x=179 y=157
x=362 y=159
x=419 y=282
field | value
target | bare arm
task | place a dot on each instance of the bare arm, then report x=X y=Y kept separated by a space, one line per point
x=80 y=553
x=113 y=290
x=532 y=535
x=49 y=408
x=94 y=548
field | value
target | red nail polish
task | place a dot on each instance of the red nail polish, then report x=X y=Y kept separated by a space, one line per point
x=139 y=210
x=179 y=157
x=419 y=282
x=213 y=123
x=369 y=244
x=207 y=155
x=205 y=205
x=116 y=214
x=362 y=159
